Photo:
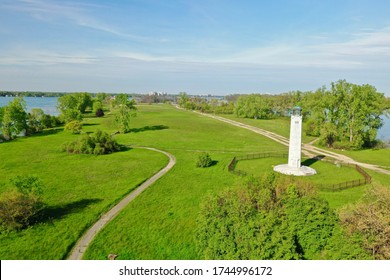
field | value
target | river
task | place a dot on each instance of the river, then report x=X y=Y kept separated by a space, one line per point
x=48 y=105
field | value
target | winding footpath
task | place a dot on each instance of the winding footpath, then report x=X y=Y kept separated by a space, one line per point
x=89 y=235
x=307 y=149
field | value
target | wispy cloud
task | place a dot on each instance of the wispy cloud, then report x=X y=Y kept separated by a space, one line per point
x=72 y=12
x=360 y=50
x=43 y=57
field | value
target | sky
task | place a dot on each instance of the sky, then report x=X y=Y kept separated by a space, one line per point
x=197 y=46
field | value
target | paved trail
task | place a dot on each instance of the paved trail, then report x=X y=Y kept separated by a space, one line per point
x=307 y=149
x=86 y=239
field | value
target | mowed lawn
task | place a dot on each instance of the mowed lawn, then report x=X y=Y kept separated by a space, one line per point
x=161 y=222
x=78 y=189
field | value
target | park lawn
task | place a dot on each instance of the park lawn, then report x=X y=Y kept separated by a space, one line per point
x=78 y=189
x=380 y=157
x=327 y=173
x=161 y=222
x=279 y=125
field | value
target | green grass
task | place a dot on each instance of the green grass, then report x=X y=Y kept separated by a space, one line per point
x=379 y=157
x=280 y=125
x=327 y=173
x=78 y=189
x=161 y=222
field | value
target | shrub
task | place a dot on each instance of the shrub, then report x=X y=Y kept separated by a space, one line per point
x=204 y=160
x=19 y=205
x=269 y=218
x=100 y=143
x=99 y=112
x=74 y=127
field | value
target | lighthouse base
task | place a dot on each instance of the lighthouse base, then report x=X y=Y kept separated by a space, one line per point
x=288 y=170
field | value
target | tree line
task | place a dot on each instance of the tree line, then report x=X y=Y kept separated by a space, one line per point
x=344 y=116
x=15 y=120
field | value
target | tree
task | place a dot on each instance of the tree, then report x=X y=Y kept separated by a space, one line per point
x=19 y=205
x=183 y=99
x=270 y=218
x=97 y=104
x=126 y=110
x=369 y=221
x=72 y=106
x=74 y=127
x=68 y=106
x=36 y=120
x=253 y=106
x=13 y=118
x=204 y=160
x=347 y=113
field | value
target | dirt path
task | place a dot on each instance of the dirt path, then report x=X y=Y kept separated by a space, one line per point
x=86 y=239
x=307 y=149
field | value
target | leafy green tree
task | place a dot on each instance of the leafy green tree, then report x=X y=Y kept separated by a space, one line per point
x=253 y=106
x=183 y=99
x=72 y=106
x=369 y=221
x=270 y=218
x=126 y=110
x=13 y=118
x=347 y=113
x=37 y=120
x=97 y=104
x=19 y=205
x=74 y=127
x=84 y=101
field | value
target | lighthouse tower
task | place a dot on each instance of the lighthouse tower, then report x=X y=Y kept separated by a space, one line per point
x=294 y=166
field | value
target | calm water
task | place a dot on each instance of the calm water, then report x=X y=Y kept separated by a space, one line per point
x=48 y=104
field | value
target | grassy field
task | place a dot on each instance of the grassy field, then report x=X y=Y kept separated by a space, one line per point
x=326 y=173
x=161 y=222
x=379 y=157
x=280 y=126
x=78 y=188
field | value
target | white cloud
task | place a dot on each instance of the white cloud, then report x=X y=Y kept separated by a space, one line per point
x=43 y=57
x=363 y=49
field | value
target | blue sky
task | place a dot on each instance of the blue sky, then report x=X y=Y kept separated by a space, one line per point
x=199 y=46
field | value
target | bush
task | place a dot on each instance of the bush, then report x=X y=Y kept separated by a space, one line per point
x=270 y=218
x=19 y=205
x=100 y=143
x=99 y=112
x=74 y=127
x=204 y=160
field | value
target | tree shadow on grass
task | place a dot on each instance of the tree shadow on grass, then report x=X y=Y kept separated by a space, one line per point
x=90 y=124
x=46 y=132
x=311 y=161
x=213 y=162
x=57 y=212
x=148 y=128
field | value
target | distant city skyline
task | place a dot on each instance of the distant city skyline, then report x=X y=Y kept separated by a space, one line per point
x=197 y=46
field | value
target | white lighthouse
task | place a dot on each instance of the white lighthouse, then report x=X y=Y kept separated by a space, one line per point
x=294 y=166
